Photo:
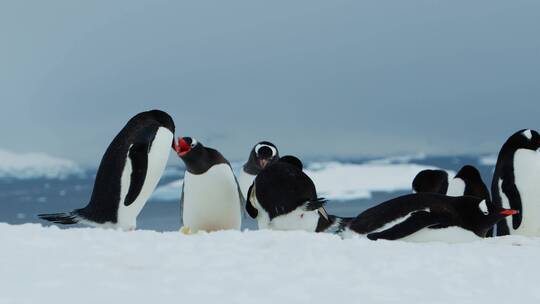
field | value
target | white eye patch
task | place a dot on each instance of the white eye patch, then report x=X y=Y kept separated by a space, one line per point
x=483 y=207
x=259 y=146
x=527 y=134
x=193 y=142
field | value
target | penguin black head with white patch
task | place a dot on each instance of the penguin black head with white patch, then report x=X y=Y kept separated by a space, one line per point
x=468 y=181
x=211 y=198
x=432 y=181
x=262 y=155
x=428 y=217
x=128 y=173
x=515 y=183
x=283 y=197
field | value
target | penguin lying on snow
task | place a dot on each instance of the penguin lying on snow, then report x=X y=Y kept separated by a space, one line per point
x=263 y=154
x=128 y=174
x=282 y=197
x=516 y=183
x=211 y=198
x=467 y=181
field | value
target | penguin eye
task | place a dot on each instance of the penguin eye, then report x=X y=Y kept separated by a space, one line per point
x=193 y=143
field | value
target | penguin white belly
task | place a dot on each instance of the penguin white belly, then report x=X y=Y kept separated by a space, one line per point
x=211 y=200
x=447 y=235
x=245 y=181
x=527 y=180
x=157 y=161
x=296 y=220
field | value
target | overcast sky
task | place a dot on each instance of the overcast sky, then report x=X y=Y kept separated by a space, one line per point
x=319 y=78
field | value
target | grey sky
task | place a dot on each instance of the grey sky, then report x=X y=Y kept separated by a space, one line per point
x=319 y=78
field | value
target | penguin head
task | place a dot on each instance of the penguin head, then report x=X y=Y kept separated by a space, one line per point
x=188 y=146
x=162 y=118
x=432 y=181
x=477 y=218
x=262 y=155
x=524 y=139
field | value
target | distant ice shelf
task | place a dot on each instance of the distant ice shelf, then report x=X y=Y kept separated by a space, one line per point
x=35 y=165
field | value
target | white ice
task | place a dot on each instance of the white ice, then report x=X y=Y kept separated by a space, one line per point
x=35 y=165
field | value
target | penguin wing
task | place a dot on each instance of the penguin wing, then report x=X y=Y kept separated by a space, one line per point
x=252 y=211
x=138 y=156
x=416 y=222
x=240 y=196
x=182 y=202
x=511 y=191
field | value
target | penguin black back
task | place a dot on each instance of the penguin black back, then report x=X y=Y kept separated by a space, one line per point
x=432 y=181
x=283 y=186
x=133 y=141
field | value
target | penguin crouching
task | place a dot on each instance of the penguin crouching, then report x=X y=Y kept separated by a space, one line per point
x=516 y=183
x=127 y=175
x=283 y=197
x=211 y=199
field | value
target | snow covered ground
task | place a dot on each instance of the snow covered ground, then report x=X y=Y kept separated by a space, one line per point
x=35 y=165
x=49 y=265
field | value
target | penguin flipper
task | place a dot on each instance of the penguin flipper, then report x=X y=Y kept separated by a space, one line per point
x=511 y=191
x=416 y=222
x=240 y=196
x=252 y=211
x=182 y=203
x=138 y=156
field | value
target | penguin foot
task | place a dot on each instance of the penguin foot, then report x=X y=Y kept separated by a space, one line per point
x=185 y=230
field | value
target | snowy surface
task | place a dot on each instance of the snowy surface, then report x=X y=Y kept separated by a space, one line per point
x=35 y=165
x=341 y=181
x=49 y=265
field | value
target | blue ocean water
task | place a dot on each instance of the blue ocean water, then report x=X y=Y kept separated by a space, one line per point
x=22 y=199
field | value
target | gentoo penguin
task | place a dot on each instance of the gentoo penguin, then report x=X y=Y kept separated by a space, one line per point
x=263 y=154
x=211 y=198
x=428 y=217
x=433 y=181
x=128 y=173
x=516 y=183
x=283 y=197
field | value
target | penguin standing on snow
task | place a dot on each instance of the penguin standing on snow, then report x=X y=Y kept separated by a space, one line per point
x=128 y=174
x=263 y=154
x=425 y=217
x=516 y=183
x=211 y=198
x=283 y=197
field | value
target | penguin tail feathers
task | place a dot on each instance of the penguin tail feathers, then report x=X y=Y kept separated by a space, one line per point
x=315 y=204
x=61 y=218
